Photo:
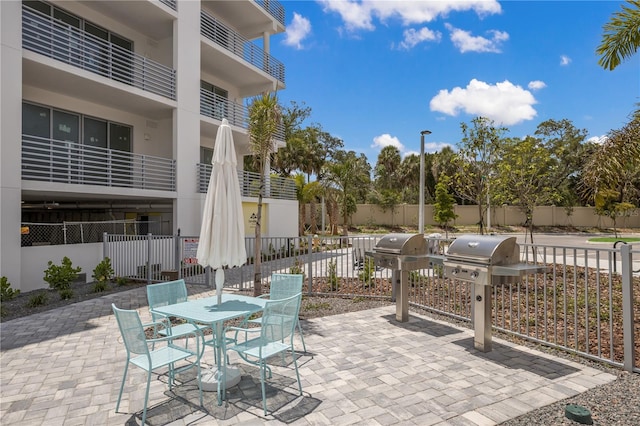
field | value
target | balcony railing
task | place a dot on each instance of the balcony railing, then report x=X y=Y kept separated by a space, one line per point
x=274 y=8
x=44 y=35
x=277 y=187
x=58 y=161
x=225 y=37
x=173 y=4
x=218 y=107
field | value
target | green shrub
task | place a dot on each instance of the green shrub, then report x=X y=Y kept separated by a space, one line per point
x=60 y=277
x=368 y=272
x=103 y=271
x=100 y=286
x=121 y=281
x=6 y=292
x=333 y=276
x=38 y=299
x=297 y=267
x=65 y=293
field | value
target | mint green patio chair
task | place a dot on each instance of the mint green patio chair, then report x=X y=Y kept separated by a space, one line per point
x=139 y=354
x=274 y=337
x=170 y=293
x=284 y=286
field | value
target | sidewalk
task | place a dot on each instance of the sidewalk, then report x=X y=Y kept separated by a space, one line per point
x=64 y=367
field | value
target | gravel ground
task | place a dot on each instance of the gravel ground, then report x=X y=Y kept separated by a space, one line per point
x=613 y=404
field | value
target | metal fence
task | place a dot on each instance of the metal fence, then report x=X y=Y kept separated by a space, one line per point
x=587 y=302
x=40 y=234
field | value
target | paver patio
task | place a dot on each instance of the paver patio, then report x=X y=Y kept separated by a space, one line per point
x=64 y=367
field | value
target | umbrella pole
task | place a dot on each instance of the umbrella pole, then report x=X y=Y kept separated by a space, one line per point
x=219 y=283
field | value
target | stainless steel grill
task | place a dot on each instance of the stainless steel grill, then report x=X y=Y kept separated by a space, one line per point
x=472 y=258
x=484 y=261
x=402 y=253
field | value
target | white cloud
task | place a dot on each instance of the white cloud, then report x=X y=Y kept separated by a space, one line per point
x=429 y=147
x=536 y=85
x=297 y=31
x=360 y=14
x=385 y=140
x=565 y=60
x=504 y=103
x=600 y=140
x=413 y=37
x=465 y=42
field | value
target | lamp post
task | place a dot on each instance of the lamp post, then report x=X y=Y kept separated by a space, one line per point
x=421 y=202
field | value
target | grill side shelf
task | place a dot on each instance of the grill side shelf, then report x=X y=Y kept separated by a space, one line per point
x=518 y=270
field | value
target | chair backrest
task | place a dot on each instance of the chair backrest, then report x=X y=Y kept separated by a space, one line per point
x=131 y=330
x=279 y=318
x=167 y=293
x=285 y=285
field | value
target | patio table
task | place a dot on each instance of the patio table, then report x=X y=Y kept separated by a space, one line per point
x=208 y=311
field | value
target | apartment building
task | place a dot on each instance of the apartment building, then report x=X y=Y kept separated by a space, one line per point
x=109 y=110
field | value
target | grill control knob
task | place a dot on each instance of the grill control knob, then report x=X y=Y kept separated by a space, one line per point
x=474 y=274
x=455 y=271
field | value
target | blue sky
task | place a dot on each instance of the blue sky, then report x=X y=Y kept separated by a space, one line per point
x=376 y=73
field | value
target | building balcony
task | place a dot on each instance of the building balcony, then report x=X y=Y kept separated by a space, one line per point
x=217 y=107
x=56 y=161
x=227 y=54
x=276 y=187
x=173 y=4
x=152 y=18
x=274 y=8
x=251 y=18
x=44 y=35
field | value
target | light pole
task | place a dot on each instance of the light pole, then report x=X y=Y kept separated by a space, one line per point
x=421 y=202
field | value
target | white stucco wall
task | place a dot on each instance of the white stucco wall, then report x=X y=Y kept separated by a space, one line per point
x=35 y=259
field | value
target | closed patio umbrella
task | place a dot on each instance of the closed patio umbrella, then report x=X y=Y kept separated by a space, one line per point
x=221 y=241
x=222 y=231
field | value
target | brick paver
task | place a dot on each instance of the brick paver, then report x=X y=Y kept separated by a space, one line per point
x=64 y=367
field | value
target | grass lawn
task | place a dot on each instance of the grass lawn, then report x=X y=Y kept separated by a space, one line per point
x=614 y=239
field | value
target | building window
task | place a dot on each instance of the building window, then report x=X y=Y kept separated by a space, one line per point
x=206 y=155
x=59 y=125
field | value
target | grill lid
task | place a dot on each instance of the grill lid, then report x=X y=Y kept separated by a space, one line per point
x=485 y=249
x=402 y=244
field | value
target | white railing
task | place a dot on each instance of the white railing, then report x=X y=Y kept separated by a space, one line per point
x=277 y=187
x=44 y=35
x=50 y=160
x=230 y=40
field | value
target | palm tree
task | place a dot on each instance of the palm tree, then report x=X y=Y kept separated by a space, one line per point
x=264 y=118
x=621 y=37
